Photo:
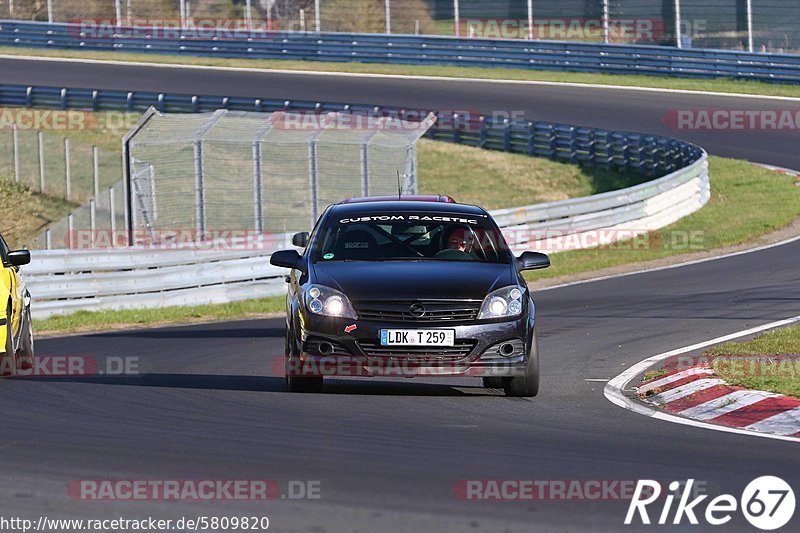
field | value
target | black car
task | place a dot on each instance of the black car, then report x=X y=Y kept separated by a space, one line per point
x=409 y=287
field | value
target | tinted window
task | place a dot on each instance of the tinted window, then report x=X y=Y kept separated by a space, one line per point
x=410 y=236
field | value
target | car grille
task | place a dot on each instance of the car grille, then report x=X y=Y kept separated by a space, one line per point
x=435 y=311
x=459 y=350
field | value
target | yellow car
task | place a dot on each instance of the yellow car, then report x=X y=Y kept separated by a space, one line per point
x=16 y=331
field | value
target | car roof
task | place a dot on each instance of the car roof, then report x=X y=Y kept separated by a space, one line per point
x=406 y=198
x=395 y=205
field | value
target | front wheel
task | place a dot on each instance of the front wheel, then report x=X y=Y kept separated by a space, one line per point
x=25 y=353
x=8 y=360
x=526 y=385
x=295 y=383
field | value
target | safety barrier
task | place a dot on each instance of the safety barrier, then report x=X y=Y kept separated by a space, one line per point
x=409 y=49
x=62 y=281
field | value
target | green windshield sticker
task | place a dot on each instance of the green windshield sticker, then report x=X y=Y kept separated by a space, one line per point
x=327 y=256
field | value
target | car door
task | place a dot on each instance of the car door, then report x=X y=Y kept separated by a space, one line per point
x=11 y=287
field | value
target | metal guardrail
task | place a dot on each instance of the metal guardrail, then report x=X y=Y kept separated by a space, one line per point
x=62 y=281
x=414 y=49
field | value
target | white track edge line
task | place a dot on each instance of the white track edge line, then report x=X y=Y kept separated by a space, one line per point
x=400 y=76
x=614 y=389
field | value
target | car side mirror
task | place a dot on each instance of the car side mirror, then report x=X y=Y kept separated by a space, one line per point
x=533 y=261
x=19 y=257
x=286 y=258
x=300 y=239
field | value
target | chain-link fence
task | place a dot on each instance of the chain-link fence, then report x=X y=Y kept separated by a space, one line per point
x=54 y=165
x=756 y=25
x=207 y=174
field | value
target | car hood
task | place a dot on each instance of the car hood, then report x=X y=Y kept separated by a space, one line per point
x=413 y=280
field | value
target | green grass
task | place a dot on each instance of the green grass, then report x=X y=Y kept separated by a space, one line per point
x=121 y=319
x=23 y=213
x=746 y=202
x=735 y=362
x=724 y=85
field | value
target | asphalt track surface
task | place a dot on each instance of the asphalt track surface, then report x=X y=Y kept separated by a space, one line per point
x=207 y=404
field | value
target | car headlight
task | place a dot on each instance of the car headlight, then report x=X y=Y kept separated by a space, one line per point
x=322 y=300
x=505 y=302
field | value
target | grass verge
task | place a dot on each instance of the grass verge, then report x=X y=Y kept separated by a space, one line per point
x=770 y=369
x=746 y=202
x=23 y=213
x=723 y=85
x=86 y=321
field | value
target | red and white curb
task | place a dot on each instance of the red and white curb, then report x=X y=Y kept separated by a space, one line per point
x=710 y=411
x=699 y=394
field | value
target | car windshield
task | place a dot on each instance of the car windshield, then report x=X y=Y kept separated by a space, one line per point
x=411 y=237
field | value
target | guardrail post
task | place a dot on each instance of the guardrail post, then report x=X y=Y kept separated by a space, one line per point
x=317 y=22
x=530 y=20
x=678 y=43
x=388 y=5
x=67 y=174
x=606 y=16
x=41 y=163
x=749 y=25
x=50 y=11
x=48 y=239
x=15 y=143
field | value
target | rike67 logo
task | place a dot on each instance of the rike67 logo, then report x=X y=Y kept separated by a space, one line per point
x=767 y=503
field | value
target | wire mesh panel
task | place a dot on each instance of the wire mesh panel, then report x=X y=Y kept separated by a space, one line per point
x=207 y=175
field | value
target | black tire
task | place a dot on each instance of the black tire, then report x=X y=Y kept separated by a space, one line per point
x=25 y=353
x=493 y=383
x=294 y=383
x=526 y=385
x=8 y=360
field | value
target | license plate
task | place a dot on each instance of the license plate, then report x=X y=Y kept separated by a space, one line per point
x=418 y=337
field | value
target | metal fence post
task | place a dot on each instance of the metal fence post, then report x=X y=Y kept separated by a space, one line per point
x=48 y=240
x=16 y=151
x=183 y=13
x=364 y=169
x=313 y=182
x=248 y=16
x=113 y=210
x=92 y=220
x=388 y=18
x=70 y=225
x=67 y=174
x=606 y=16
x=118 y=12
x=199 y=186
x=41 y=163
x=258 y=198
x=530 y=20
x=749 y=25
x=50 y=11
x=456 y=19
x=317 y=21
x=678 y=43
x=95 y=172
